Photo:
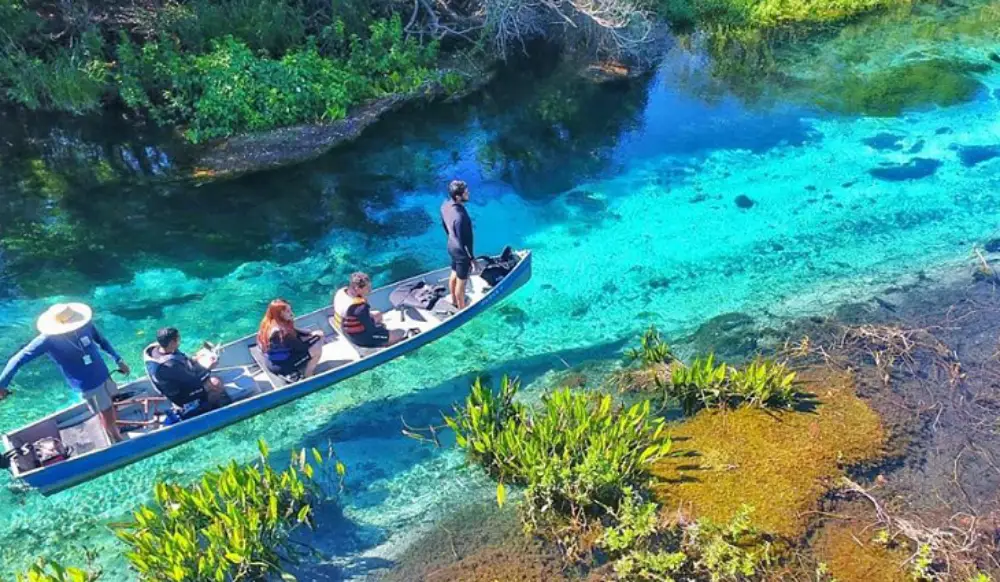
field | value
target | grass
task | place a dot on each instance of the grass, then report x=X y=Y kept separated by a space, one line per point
x=790 y=458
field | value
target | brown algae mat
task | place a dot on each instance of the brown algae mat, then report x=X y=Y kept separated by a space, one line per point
x=851 y=555
x=779 y=462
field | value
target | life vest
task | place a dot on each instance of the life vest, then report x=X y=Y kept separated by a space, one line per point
x=344 y=312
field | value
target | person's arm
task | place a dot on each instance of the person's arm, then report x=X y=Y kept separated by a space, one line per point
x=35 y=348
x=180 y=376
x=465 y=234
x=364 y=315
x=110 y=350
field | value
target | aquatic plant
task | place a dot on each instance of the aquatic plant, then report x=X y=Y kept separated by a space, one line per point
x=702 y=384
x=890 y=92
x=51 y=571
x=736 y=550
x=576 y=457
x=652 y=350
x=764 y=383
x=789 y=458
x=234 y=524
x=704 y=550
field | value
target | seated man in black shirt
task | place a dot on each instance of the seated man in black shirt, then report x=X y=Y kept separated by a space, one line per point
x=186 y=383
x=354 y=316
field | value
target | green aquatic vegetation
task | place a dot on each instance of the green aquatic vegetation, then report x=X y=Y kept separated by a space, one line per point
x=234 y=524
x=714 y=14
x=575 y=457
x=51 y=571
x=733 y=551
x=652 y=350
x=889 y=92
x=635 y=521
x=646 y=566
x=645 y=551
x=701 y=384
x=764 y=383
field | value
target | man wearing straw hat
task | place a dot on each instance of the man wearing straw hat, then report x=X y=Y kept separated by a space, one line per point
x=67 y=335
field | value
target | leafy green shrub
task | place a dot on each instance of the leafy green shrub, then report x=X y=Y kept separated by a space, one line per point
x=232 y=89
x=242 y=92
x=647 y=566
x=703 y=383
x=65 y=79
x=575 y=457
x=763 y=383
x=644 y=551
x=263 y=25
x=652 y=350
x=51 y=571
x=734 y=551
x=234 y=524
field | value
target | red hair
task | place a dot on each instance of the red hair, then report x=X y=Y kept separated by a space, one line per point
x=274 y=318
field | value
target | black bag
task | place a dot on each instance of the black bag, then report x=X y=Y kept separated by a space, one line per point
x=50 y=450
x=495 y=269
x=417 y=294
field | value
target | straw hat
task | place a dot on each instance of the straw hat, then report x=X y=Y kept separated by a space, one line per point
x=63 y=318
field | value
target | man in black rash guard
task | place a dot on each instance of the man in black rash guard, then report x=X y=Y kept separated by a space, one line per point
x=458 y=226
x=185 y=382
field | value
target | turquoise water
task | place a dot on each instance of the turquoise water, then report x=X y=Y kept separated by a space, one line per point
x=666 y=202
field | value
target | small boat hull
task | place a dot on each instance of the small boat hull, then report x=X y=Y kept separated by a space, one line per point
x=78 y=469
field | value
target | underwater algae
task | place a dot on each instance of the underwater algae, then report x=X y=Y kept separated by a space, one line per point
x=890 y=91
x=780 y=463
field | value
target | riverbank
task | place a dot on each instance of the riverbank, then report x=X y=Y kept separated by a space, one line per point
x=922 y=368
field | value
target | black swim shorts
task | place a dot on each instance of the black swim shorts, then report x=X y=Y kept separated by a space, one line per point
x=462 y=267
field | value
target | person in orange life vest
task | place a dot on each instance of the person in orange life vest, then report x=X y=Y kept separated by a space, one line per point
x=354 y=316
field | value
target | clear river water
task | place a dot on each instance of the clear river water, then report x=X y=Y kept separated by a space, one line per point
x=671 y=199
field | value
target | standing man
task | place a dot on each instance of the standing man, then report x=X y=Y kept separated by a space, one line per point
x=67 y=335
x=458 y=227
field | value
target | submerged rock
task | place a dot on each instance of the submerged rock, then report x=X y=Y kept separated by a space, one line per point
x=731 y=336
x=744 y=201
x=884 y=142
x=973 y=155
x=915 y=169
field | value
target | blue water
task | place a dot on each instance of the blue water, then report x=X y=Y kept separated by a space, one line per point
x=668 y=202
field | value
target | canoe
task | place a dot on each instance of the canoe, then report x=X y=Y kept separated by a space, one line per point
x=252 y=387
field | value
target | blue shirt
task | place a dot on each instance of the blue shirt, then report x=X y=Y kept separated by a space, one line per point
x=75 y=353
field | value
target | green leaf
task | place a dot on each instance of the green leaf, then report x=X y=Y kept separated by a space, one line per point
x=501 y=494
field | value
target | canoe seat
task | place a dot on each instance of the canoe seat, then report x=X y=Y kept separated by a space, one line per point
x=277 y=380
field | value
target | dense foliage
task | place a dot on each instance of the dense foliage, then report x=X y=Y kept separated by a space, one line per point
x=232 y=525
x=217 y=68
x=576 y=457
x=704 y=384
x=51 y=571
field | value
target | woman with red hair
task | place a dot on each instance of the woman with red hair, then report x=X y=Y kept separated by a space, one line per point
x=290 y=351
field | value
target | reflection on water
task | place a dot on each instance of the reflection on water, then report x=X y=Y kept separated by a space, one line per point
x=663 y=200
